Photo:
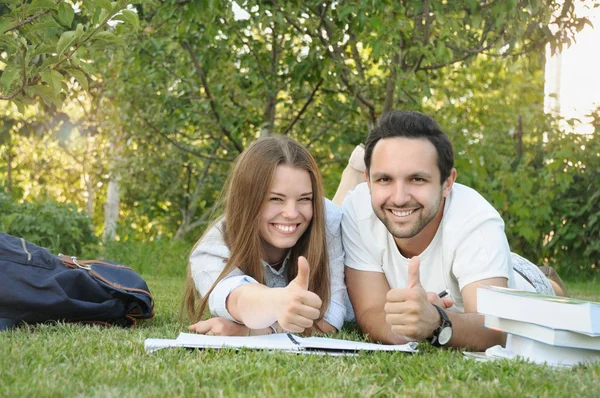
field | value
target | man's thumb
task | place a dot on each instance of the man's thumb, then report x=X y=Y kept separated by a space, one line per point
x=414 y=278
x=303 y=277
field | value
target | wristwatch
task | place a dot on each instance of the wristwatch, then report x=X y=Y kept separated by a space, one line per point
x=443 y=333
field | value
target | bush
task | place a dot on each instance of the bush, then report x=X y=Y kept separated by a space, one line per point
x=56 y=226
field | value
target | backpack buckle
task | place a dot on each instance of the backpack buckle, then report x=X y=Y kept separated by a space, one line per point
x=84 y=266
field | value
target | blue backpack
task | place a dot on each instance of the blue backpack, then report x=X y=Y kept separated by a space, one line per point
x=37 y=286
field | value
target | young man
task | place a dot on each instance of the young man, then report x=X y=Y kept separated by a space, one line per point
x=411 y=232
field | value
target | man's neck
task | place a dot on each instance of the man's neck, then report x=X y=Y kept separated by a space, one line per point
x=416 y=245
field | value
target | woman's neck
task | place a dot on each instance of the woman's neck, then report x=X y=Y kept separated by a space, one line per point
x=274 y=256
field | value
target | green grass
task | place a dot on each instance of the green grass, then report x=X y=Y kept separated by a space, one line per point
x=74 y=360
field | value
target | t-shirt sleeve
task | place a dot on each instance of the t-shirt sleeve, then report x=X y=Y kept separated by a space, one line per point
x=484 y=253
x=358 y=256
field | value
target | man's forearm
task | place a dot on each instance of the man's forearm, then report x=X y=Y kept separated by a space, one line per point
x=468 y=332
x=372 y=322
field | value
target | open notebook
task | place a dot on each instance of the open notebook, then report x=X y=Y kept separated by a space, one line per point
x=280 y=342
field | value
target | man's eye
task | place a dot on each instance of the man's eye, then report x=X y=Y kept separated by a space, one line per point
x=383 y=179
x=418 y=179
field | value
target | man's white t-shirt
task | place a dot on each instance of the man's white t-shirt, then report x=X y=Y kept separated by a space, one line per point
x=470 y=245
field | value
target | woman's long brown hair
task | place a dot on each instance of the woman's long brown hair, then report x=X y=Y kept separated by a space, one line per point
x=246 y=191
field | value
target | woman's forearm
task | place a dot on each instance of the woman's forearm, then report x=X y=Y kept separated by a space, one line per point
x=253 y=305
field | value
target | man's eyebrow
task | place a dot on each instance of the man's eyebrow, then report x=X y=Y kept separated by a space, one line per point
x=283 y=195
x=421 y=174
x=379 y=174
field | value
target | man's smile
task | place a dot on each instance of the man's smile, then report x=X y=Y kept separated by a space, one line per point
x=402 y=213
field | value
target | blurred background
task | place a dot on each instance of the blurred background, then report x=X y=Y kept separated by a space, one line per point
x=120 y=120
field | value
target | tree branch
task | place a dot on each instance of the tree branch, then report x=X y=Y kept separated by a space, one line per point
x=390 y=88
x=179 y=146
x=306 y=104
x=356 y=57
x=335 y=54
x=29 y=19
x=258 y=62
x=211 y=100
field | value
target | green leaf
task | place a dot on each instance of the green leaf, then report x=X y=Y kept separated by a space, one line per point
x=108 y=37
x=104 y=13
x=66 y=39
x=51 y=4
x=129 y=17
x=42 y=49
x=65 y=14
x=79 y=76
x=105 y=4
x=20 y=106
x=56 y=82
x=46 y=24
x=9 y=76
x=79 y=31
x=5 y=24
x=46 y=94
x=8 y=42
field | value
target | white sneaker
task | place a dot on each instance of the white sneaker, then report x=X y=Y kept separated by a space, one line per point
x=357 y=159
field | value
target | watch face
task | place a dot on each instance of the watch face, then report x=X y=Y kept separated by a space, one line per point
x=445 y=335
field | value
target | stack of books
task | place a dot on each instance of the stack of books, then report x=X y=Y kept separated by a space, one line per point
x=542 y=329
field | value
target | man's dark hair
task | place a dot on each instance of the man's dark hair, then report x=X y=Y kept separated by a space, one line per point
x=415 y=125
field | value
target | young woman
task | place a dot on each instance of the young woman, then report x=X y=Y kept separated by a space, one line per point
x=274 y=261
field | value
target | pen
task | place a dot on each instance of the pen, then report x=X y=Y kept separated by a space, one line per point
x=443 y=293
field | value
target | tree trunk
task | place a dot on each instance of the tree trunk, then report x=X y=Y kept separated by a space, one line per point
x=189 y=212
x=113 y=197
x=269 y=115
x=111 y=208
x=91 y=195
x=9 y=170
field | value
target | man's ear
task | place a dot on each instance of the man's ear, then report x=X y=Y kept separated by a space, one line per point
x=449 y=182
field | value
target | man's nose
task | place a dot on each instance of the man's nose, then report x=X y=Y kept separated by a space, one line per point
x=401 y=194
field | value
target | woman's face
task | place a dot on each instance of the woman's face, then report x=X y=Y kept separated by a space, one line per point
x=286 y=212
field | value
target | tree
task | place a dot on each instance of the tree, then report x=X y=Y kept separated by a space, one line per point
x=40 y=45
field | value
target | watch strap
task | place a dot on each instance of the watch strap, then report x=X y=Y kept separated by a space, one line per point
x=444 y=323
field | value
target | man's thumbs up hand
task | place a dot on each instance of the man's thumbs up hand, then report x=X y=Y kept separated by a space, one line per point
x=414 y=276
x=408 y=310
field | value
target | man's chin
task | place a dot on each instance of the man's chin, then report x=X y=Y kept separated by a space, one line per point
x=401 y=232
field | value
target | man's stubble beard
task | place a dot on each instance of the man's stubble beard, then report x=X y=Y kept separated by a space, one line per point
x=402 y=233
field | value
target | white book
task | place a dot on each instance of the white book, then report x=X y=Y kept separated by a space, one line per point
x=280 y=342
x=539 y=352
x=543 y=334
x=550 y=311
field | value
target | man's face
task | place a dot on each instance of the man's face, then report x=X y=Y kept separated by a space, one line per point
x=406 y=193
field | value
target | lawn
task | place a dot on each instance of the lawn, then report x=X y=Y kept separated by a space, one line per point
x=75 y=360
